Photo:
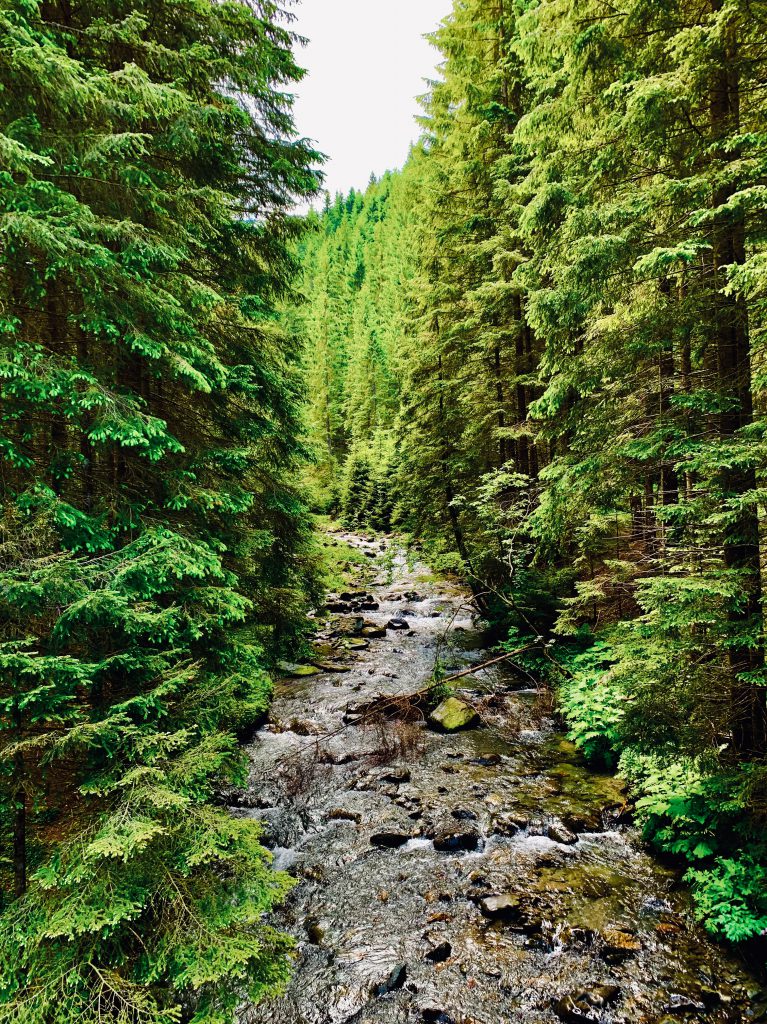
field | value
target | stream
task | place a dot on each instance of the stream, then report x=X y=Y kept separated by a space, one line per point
x=478 y=877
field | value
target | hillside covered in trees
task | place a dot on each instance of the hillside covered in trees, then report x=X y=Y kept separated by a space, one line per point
x=541 y=347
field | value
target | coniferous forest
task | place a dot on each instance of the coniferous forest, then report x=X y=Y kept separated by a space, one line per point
x=536 y=355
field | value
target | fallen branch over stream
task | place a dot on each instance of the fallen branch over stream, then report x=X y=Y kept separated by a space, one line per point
x=395 y=706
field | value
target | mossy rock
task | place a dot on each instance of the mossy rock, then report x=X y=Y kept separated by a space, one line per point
x=452 y=715
x=297 y=671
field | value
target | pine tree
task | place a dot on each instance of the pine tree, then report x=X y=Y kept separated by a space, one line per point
x=150 y=561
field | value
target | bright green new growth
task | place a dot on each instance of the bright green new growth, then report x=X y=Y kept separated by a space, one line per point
x=153 y=557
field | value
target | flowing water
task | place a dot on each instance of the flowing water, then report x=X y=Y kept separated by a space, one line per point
x=481 y=877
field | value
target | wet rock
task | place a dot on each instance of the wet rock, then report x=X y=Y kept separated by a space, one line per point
x=390 y=840
x=349 y=625
x=315 y=930
x=452 y=715
x=396 y=776
x=340 y=607
x=440 y=953
x=341 y=814
x=462 y=815
x=506 y=907
x=398 y=624
x=331 y=666
x=491 y=761
x=395 y=981
x=432 y=1015
x=373 y=632
x=505 y=825
x=357 y=643
x=585 y=1006
x=449 y=841
x=559 y=834
x=678 y=1002
x=304 y=727
x=583 y=822
x=618 y=945
x=413 y=596
x=297 y=671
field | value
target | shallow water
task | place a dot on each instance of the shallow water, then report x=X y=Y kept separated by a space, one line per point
x=396 y=935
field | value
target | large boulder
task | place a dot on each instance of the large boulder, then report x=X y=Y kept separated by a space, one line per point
x=453 y=714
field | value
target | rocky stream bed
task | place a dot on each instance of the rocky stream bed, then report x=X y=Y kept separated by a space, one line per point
x=477 y=877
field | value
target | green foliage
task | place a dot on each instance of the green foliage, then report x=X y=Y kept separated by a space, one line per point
x=557 y=311
x=154 y=552
x=593 y=703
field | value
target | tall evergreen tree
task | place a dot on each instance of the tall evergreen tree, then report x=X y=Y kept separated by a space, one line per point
x=150 y=548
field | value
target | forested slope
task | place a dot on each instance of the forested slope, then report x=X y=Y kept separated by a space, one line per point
x=541 y=347
x=153 y=548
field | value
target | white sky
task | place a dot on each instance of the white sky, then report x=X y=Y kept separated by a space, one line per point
x=367 y=62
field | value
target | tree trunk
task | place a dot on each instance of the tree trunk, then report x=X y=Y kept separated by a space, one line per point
x=741 y=540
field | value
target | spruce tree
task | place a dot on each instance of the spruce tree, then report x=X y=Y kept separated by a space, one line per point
x=150 y=562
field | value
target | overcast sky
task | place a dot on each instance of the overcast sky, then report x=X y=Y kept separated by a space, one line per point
x=367 y=63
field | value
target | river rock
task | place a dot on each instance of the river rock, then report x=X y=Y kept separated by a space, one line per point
x=398 y=624
x=331 y=666
x=297 y=671
x=390 y=840
x=440 y=953
x=452 y=715
x=341 y=814
x=559 y=834
x=680 y=1003
x=349 y=625
x=373 y=632
x=432 y=1015
x=585 y=1006
x=395 y=981
x=618 y=944
x=453 y=841
x=506 y=907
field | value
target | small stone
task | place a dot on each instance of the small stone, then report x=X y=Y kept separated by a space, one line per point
x=440 y=953
x=395 y=981
x=619 y=944
x=585 y=1006
x=453 y=842
x=398 y=624
x=389 y=840
x=559 y=834
x=506 y=907
x=396 y=776
x=432 y=1015
x=341 y=814
x=491 y=761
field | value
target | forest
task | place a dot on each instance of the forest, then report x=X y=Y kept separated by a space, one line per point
x=537 y=354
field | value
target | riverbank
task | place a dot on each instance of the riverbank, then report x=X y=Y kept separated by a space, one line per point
x=480 y=877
